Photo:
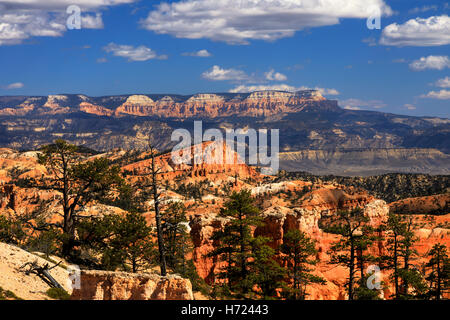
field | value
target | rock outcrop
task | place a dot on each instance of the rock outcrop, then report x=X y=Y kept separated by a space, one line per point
x=279 y=219
x=198 y=161
x=437 y=204
x=104 y=285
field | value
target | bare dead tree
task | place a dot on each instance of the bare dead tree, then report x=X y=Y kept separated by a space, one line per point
x=156 y=196
x=42 y=272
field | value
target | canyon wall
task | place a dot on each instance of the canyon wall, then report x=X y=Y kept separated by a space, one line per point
x=318 y=204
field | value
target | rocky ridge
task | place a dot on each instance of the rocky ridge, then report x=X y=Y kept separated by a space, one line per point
x=263 y=103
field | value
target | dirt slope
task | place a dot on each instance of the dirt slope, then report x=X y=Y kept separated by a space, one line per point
x=29 y=287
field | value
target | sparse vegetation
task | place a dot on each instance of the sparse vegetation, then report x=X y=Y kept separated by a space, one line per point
x=8 y=295
x=58 y=294
x=389 y=187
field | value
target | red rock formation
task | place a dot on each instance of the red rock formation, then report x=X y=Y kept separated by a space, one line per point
x=262 y=103
x=94 y=109
x=321 y=202
x=209 y=168
x=103 y=285
x=136 y=105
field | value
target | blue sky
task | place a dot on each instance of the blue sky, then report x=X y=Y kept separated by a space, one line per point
x=127 y=46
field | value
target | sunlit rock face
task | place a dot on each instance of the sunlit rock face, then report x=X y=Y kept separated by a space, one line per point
x=261 y=103
x=103 y=285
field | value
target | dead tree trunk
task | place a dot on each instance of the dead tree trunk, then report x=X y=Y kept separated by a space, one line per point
x=43 y=273
x=162 y=251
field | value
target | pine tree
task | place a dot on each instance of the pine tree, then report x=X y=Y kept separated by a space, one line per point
x=79 y=182
x=395 y=228
x=235 y=242
x=439 y=276
x=300 y=251
x=265 y=272
x=11 y=231
x=226 y=250
x=176 y=238
x=133 y=242
x=347 y=224
x=408 y=282
x=364 y=258
x=124 y=242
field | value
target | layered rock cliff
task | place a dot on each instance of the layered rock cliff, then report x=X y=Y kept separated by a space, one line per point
x=263 y=103
x=103 y=285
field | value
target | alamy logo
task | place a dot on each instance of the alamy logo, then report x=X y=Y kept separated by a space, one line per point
x=74 y=19
x=250 y=144
x=374 y=280
x=74 y=277
x=374 y=18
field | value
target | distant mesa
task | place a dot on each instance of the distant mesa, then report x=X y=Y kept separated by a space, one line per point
x=253 y=104
x=139 y=100
x=165 y=99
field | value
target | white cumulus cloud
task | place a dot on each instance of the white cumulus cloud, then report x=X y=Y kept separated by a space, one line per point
x=443 y=83
x=441 y=95
x=140 y=53
x=423 y=9
x=418 y=32
x=92 y=21
x=239 y=21
x=217 y=73
x=23 y=19
x=348 y=107
x=280 y=87
x=357 y=104
x=275 y=76
x=15 y=85
x=201 y=54
x=430 y=63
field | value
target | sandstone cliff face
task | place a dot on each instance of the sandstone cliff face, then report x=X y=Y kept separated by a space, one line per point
x=262 y=103
x=199 y=161
x=95 y=109
x=307 y=121
x=279 y=219
x=103 y=285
